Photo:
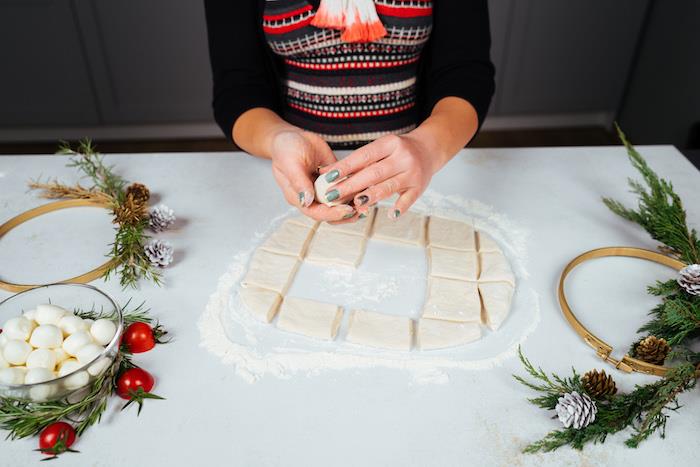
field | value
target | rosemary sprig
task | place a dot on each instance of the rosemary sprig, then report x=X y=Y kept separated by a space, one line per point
x=131 y=262
x=91 y=164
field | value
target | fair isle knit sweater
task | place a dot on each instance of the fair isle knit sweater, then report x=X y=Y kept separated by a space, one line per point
x=265 y=53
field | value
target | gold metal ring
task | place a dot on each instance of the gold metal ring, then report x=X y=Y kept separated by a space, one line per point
x=44 y=209
x=627 y=363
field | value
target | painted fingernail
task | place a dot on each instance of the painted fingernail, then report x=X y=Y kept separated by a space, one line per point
x=332 y=195
x=362 y=200
x=332 y=175
x=362 y=216
x=348 y=215
x=301 y=198
x=397 y=213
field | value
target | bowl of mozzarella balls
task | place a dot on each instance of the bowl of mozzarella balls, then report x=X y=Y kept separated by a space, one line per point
x=56 y=340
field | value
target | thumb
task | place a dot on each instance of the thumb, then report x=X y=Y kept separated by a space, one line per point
x=292 y=157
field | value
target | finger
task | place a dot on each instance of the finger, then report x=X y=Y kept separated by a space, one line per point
x=382 y=190
x=324 y=153
x=295 y=162
x=321 y=212
x=405 y=201
x=361 y=158
x=374 y=174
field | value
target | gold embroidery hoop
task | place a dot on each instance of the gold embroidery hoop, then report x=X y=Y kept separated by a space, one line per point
x=39 y=211
x=603 y=350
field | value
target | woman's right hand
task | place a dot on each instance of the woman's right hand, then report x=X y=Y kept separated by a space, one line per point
x=296 y=157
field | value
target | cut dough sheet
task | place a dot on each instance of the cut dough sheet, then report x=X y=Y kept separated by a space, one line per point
x=452 y=300
x=497 y=298
x=448 y=233
x=289 y=239
x=304 y=221
x=380 y=330
x=453 y=264
x=271 y=271
x=438 y=334
x=495 y=268
x=263 y=304
x=330 y=247
x=310 y=318
x=360 y=227
x=486 y=243
x=408 y=228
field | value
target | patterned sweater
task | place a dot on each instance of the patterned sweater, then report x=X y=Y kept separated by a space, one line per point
x=265 y=53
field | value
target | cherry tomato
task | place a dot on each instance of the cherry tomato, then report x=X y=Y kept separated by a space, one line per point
x=138 y=338
x=131 y=380
x=56 y=439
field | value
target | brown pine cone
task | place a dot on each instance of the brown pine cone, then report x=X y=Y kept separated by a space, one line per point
x=139 y=192
x=652 y=350
x=131 y=211
x=598 y=384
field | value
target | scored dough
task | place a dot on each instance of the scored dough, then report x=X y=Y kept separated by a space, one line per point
x=289 y=239
x=497 y=298
x=408 y=228
x=452 y=234
x=304 y=221
x=380 y=330
x=495 y=268
x=330 y=247
x=360 y=227
x=263 y=304
x=271 y=271
x=452 y=300
x=438 y=334
x=452 y=264
x=310 y=318
x=486 y=243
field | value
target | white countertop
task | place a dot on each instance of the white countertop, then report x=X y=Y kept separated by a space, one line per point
x=356 y=417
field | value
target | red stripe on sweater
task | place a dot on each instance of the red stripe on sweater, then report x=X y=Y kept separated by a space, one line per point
x=353 y=114
x=289 y=14
x=350 y=65
x=288 y=27
x=403 y=12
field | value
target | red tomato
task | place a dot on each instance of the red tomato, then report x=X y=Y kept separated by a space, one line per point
x=131 y=380
x=138 y=338
x=56 y=438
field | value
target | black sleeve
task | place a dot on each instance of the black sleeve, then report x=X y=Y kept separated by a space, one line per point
x=241 y=68
x=458 y=59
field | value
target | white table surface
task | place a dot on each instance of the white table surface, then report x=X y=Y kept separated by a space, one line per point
x=357 y=417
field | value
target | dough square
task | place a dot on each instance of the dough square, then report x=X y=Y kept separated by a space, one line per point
x=452 y=300
x=486 y=243
x=453 y=264
x=495 y=268
x=262 y=303
x=271 y=271
x=438 y=334
x=304 y=221
x=408 y=228
x=310 y=318
x=330 y=247
x=497 y=298
x=380 y=330
x=360 y=227
x=449 y=233
x=289 y=239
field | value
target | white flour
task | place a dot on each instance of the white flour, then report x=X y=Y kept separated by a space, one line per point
x=255 y=349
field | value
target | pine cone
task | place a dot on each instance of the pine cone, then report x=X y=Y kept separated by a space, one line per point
x=689 y=279
x=653 y=350
x=131 y=211
x=139 y=192
x=599 y=384
x=159 y=253
x=577 y=410
x=161 y=218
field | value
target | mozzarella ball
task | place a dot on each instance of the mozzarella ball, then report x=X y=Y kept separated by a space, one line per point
x=18 y=328
x=88 y=353
x=77 y=380
x=30 y=315
x=103 y=331
x=76 y=341
x=42 y=392
x=68 y=366
x=3 y=340
x=89 y=321
x=46 y=336
x=42 y=358
x=49 y=314
x=3 y=362
x=60 y=355
x=12 y=375
x=70 y=324
x=16 y=352
x=38 y=375
x=99 y=366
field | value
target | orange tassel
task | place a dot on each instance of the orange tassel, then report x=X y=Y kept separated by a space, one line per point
x=357 y=19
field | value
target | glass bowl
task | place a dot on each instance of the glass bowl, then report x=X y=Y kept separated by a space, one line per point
x=72 y=297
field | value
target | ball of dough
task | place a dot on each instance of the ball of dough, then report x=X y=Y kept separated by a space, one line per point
x=49 y=314
x=42 y=358
x=76 y=341
x=322 y=186
x=70 y=324
x=46 y=336
x=12 y=375
x=16 y=352
x=88 y=353
x=68 y=366
x=18 y=328
x=38 y=375
x=103 y=331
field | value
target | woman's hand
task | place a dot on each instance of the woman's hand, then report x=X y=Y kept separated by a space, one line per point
x=296 y=157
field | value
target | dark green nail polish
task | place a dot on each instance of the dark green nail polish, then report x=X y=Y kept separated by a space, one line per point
x=362 y=216
x=348 y=215
x=332 y=195
x=363 y=200
x=332 y=175
x=397 y=213
x=301 y=198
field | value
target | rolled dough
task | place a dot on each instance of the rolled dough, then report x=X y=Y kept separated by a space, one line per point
x=408 y=228
x=360 y=227
x=380 y=330
x=321 y=187
x=453 y=264
x=310 y=318
x=271 y=271
x=497 y=298
x=304 y=221
x=289 y=239
x=495 y=268
x=437 y=334
x=452 y=300
x=452 y=234
x=486 y=243
x=330 y=247
x=263 y=304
